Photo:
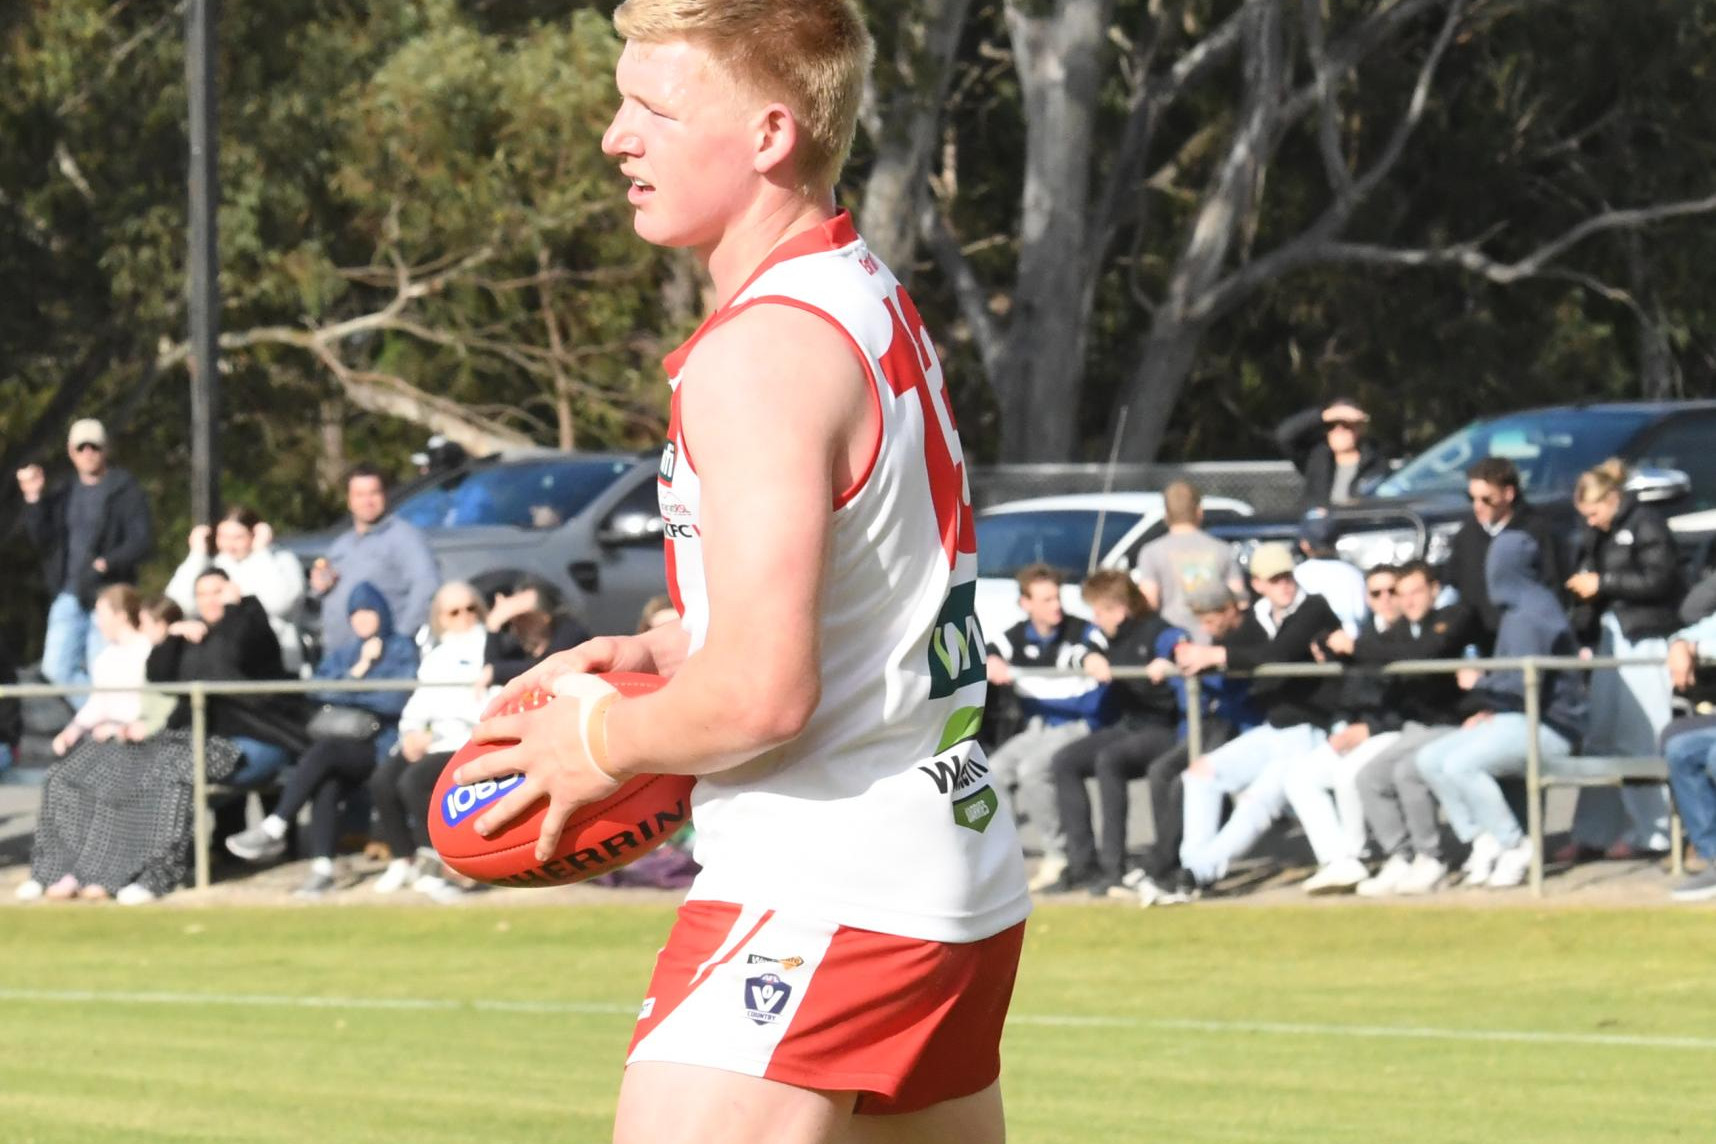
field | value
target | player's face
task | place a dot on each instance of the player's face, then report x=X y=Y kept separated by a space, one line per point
x=686 y=139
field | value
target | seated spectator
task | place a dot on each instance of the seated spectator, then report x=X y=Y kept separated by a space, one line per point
x=121 y=662
x=341 y=759
x=1323 y=573
x=1399 y=808
x=1498 y=505
x=1055 y=710
x=1627 y=593
x=1322 y=786
x=1690 y=746
x=1462 y=768
x=1142 y=723
x=1329 y=447
x=1283 y=627
x=532 y=606
x=230 y=638
x=436 y=721
x=1185 y=561
x=242 y=546
x=115 y=817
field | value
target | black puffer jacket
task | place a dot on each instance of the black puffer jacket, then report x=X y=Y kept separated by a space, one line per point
x=1640 y=575
x=1301 y=439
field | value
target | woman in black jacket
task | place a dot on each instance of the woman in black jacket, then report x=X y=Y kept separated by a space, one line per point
x=1626 y=595
x=1328 y=446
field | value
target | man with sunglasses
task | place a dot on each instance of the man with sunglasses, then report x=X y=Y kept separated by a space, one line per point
x=1329 y=447
x=90 y=532
x=1498 y=505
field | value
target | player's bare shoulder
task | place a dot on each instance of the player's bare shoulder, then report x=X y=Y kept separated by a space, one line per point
x=777 y=362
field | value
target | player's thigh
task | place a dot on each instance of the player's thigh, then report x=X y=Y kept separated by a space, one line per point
x=974 y=1119
x=663 y=1103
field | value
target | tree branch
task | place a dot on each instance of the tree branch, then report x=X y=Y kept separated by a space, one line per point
x=972 y=298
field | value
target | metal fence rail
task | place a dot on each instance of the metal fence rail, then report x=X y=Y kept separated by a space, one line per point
x=1532 y=669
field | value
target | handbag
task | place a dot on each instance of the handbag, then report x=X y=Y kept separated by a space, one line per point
x=337 y=721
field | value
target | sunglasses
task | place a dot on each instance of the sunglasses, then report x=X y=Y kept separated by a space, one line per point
x=86 y=447
x=461 y=610
x=1331 y=426
x=1486 y=501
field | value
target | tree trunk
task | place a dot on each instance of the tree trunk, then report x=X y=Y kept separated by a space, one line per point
x=1169 y=351
x=1040 y=375
x=331 y=431
x=917 y=66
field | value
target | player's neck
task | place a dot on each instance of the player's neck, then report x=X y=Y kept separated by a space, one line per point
x=745 y=244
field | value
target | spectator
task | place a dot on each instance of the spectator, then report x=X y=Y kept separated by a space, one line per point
x=1462 y=768
x=436 y=721
x=243 y=548
x=384 y=550
x=439 y=456
x=1328 y=446
x=1185 y=561
x=1143 y=724
x=1283 y=627
x=344 y=755
x=120 y=663
x=1055 y=710
x=91 y=531
x=530 y=605
x=1399 y=808
x=1323 y=573
x=1492 y=485
x=115 y=815
x=229 y=638
x=1690 y=746
x=1627 y=593
x=11 y=711
x=1322 y=786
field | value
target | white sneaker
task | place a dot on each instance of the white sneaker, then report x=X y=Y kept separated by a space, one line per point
x=134 y=895
x=393 y=879
x=1387 y=880
x=1512 y=865
x=438 y=889
x=1424 y=876
x=1482 y=860
x=1049 y=872
x=1337 y=877
x=29 y=891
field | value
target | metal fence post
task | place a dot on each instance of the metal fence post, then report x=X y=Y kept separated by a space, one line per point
x=200 y=783
x=1194 y=718
x=1534 y=772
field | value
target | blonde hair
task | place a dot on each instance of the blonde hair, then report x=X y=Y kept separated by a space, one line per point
x=812 y=55
x=1599 y=481
x=124 y=600
x=435 y=605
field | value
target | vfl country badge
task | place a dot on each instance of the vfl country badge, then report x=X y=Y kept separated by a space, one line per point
x=765 y=997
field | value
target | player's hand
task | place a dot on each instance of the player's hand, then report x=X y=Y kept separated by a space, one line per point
x=547 y=749
x=592 y=657
x=30 y=482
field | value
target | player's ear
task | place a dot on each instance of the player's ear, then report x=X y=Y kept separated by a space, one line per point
x=777 y=138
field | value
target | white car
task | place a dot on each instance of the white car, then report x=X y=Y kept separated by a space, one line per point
x=1062 y=531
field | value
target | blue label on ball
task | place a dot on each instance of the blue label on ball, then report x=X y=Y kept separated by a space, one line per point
x=461 y=802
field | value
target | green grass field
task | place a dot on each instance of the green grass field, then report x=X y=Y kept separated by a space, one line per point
x=1203 y=1024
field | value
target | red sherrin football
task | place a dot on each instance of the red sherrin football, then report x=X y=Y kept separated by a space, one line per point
x=599 y=837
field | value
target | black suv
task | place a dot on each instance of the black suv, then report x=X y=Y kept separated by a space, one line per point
x=1417 y=509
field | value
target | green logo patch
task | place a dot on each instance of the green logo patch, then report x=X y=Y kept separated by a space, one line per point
x=956 y=643
x=976 y=811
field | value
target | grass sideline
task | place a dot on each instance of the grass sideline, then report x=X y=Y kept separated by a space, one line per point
x=1281 y=1025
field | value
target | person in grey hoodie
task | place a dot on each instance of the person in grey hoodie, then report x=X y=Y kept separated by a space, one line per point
x=1462 y=768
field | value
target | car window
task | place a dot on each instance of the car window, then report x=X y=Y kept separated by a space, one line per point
x=1007 y=541
x=524 y=494
x=1688 y=444
x=1550 y=449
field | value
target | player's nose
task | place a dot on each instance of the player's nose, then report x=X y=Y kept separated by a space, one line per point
x=619 y=139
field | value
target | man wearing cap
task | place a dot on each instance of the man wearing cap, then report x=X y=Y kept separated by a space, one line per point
x=91 y=531
x=1329 y=447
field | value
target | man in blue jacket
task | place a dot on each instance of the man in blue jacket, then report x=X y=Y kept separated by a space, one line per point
x=1057 y=710
x=1462 y=768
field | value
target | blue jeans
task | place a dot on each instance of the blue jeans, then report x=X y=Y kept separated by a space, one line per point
x=1462 y=769
x=261 y=762
x=71 y=644
x=6 y=759
x=1692 y=774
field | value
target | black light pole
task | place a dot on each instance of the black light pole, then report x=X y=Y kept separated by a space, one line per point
x=201 y=17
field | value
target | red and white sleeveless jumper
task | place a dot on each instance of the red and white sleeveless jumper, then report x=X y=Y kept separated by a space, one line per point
x=879 y=816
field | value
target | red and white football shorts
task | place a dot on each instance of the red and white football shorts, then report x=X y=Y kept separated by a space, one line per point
x=904 y=1023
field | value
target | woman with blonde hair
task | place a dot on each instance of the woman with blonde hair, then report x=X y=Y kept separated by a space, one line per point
x=1626 y=595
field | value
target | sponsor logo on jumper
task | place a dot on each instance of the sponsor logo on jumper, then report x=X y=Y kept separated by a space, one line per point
x=461 y=802
x=672 y=506
x=783 y=962
x=765 y=997
x=669 y=459
x=966 y=781
x=869 y=263
x=956 y=651
x=679 y=531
